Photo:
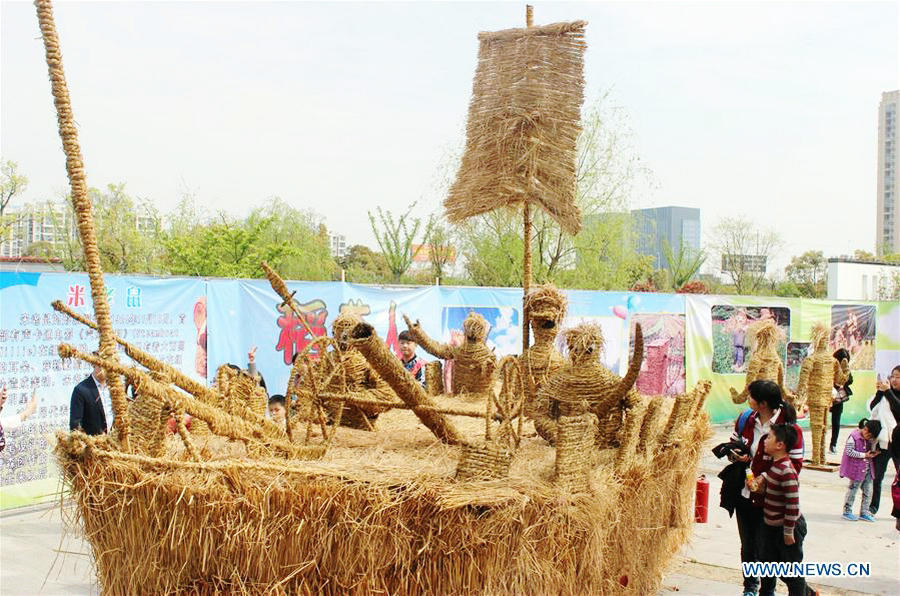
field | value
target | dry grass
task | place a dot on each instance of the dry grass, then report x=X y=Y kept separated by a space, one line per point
x=379 y=513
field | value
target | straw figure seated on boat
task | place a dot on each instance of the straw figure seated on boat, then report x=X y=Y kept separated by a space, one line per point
x=584 y=385
x=474 y=364
x=546 y=307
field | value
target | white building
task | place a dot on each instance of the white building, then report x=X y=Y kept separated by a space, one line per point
x=850 y=279
x=338 y=243
x=47 y=223
x=887 y=226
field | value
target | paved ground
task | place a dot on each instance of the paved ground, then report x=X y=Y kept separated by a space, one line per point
x=37 y=557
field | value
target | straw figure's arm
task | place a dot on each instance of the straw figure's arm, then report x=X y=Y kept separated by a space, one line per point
x=376 y=388
x=435 y=348
x=803 y=383
x=754 y=368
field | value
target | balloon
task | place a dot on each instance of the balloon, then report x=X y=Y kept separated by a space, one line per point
x=620 y=311
x=633 y=301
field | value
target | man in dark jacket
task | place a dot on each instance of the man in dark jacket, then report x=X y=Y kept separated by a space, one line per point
x=86 y=408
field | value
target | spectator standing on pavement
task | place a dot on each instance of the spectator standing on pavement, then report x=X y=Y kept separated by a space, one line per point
x=839 y=396
x=884 y=407
x=86 y=411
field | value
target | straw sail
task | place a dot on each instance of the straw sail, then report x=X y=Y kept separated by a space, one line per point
x=524 y=122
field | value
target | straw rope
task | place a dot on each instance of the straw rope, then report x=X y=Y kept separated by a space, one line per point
x=637 y=407
x=650 y=428
x=404 y=385
x=82 y=207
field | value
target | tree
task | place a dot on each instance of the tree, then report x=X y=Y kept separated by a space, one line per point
x=396 y=236
x=808 y=273
x=11 y=184
x=363 y=265
x=683 y=265
x=129 y=233
x=736 y=238
x=440 y=249
x=302 y=231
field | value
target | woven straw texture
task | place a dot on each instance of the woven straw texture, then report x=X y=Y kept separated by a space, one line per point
x=765 y=362
x=523 y=124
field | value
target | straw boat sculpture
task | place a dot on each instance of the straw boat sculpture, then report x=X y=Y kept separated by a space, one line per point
x=253 y=508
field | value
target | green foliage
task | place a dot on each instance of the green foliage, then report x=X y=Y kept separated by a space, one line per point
x=363 y=265
x=683 y=264
x=129 y=233
x=807 y=273
x=723 y=351
x=11 y=184
x=440 y=249
x=493 y=250
x=395 y=236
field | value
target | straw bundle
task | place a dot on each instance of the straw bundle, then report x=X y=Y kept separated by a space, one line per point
x=474 y=364
x=523 y=124
x=483 y=462
x=636 y=410
x=574 y=439
x=381 y=513
x=653 y=422
x=765 y=362
x=434 y=377
x=148 y=419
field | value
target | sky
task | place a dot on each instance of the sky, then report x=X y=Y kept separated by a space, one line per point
x=760 y=109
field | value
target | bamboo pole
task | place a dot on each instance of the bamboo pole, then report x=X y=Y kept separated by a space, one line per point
x=83 y=212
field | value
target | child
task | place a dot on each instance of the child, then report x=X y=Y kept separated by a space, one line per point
x=784 y=527
x=408 y=356
x=856 y=465
x=276 y=408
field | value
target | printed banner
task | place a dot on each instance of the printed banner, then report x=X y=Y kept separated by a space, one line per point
x=198 y=325
x=159 y=315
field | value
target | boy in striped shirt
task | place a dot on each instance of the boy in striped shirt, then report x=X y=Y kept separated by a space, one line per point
x=784 y=527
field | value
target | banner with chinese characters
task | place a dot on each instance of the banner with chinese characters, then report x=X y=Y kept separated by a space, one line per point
x=162 y=316
x=198 y=325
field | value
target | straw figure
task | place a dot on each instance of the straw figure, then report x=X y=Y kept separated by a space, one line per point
x=584 y=385
x=474 y=364
x=547 y=308
x=347 y=371
x=765 y=363
x=820 y=372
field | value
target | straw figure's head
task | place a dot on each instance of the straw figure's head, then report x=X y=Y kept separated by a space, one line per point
x=475 y=328
x=342 y=326
x=765 y=335
x=546 y=308
x=585 y=343
x=819 y=337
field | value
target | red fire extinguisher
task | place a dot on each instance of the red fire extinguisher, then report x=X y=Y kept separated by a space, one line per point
x=701 y=500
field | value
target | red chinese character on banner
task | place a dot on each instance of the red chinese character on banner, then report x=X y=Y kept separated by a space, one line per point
x=76 y=296
x=294 y=336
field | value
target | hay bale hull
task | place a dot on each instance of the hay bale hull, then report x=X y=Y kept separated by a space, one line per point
x=325 y=527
